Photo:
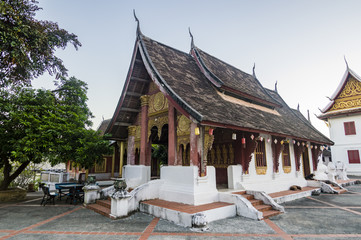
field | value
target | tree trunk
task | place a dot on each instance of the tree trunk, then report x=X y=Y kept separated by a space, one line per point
x=9 y=178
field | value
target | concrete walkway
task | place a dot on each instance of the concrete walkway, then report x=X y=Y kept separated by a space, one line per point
x=318 y=217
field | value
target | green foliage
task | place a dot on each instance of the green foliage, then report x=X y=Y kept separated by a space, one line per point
x=160 y=152
x=39 y=124
x=27 y=45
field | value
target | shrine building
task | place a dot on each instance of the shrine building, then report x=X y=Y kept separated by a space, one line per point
x=343 y=117
x=220 y=128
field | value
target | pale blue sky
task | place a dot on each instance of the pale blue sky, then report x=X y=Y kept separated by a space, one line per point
x=300 y=44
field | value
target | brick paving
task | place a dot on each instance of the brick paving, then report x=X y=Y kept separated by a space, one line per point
x=328 y=216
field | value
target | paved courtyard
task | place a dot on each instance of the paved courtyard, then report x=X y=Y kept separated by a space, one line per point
x=318 y=217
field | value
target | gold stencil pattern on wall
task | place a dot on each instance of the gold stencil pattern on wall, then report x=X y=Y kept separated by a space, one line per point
x=184 y=126
x=157 y=103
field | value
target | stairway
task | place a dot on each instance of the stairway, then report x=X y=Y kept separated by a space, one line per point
x=101 y=206
x=266 y=209
x=337 y=189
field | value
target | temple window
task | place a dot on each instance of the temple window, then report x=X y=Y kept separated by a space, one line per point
x=260 y=158
x=353 y=156
x=349 y=128
x=286 y=158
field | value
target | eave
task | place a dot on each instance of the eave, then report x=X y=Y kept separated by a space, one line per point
x=233 y=127
x=339 y=113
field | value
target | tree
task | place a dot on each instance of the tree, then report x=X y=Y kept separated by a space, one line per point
x=27 y=45
x=38 y=125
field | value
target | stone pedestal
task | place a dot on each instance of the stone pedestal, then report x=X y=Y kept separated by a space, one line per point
x=119 y=204
x=234 y=173
x=91 y=193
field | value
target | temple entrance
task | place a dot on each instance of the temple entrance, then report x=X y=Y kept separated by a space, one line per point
x=306 y=163
x=159 y=150
x=222 y=155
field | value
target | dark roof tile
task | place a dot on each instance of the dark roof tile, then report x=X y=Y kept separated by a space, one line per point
x=180 y=71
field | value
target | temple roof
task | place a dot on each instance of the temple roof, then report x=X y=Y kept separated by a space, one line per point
x=103 y=126
x=251 y=108
x=234 y=80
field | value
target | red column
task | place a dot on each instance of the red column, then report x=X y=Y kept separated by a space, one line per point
x=144 y=100
x=193 y=142
x=130 y=149
x=172 y=136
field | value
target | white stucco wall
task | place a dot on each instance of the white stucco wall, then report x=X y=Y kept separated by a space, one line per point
x=182 y=184
x=345 y=142
x=274 y=182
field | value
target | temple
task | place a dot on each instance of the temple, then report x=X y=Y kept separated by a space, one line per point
x=343 y=117
x=216 y=125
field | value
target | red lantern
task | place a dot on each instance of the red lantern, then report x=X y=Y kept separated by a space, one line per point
x=211 y=131
x=243 y=140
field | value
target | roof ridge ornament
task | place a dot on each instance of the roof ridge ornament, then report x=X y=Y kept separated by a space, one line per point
x=308 y=115
x=138 y=23
x=298 y=107
x=276 y=87
x=191 y=35
x=254 y=70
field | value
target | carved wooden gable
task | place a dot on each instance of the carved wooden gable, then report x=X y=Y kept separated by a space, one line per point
x=350 y=96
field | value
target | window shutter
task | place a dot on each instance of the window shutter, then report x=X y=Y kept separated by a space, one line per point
x=349 y=128
x=353 y=156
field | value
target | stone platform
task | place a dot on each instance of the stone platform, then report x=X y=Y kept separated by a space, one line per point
x=289 y=195
x=184 y=214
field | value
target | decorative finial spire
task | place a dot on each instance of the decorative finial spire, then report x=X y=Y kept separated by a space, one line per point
x=298 y=107
x=344 y=57
x=137 y=20
x=190 y=34
x=308 y=115
x=276 y=87
x=254 y=70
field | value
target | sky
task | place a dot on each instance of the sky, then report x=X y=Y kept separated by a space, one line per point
x=299 y=44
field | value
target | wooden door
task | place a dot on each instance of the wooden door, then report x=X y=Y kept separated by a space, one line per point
x=306 y=163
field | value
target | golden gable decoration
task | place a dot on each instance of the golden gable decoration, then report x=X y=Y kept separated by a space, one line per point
x=352 y=88
x=339 y=104
x=350 y=97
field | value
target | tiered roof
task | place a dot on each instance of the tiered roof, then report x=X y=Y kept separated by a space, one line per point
x=213 y=93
